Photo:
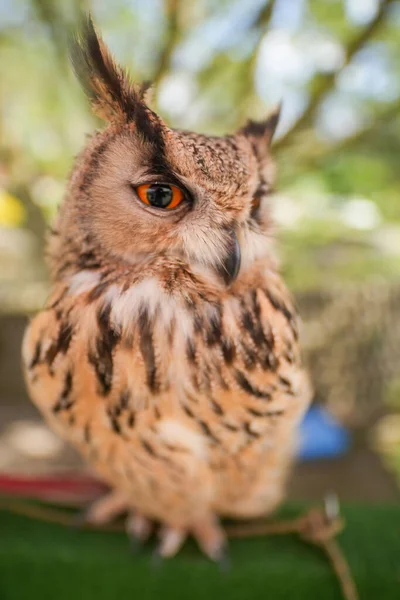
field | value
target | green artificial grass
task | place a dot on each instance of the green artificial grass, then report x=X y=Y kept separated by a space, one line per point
x=51 y=562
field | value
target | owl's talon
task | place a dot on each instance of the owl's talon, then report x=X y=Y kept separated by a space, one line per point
x=138 y=528
x=135 y=543
x=171 y=541
x=332 y=506
x=104 y=510
x=212 y=540
x=224 y=560
x=156 y=558
x=80 y=519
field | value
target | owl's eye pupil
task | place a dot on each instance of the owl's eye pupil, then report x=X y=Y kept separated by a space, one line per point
x=159 y=195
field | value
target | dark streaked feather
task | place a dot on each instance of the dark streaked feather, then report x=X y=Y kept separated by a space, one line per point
x=262 y=132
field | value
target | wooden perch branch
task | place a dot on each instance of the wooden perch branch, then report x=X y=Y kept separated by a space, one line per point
x=313 y=527
x=323 y=84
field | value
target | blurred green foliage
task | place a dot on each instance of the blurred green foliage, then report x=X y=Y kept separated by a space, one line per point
x=334 y=64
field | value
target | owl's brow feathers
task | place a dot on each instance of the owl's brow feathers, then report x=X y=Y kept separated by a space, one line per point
x=113 y=96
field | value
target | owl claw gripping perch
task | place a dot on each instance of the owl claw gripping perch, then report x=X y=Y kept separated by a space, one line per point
x=168 y=352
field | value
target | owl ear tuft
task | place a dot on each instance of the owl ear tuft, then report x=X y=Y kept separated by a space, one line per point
x=261 y=132
x=113 y=96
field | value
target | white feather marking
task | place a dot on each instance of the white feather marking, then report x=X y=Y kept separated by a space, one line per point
x=126 y=306
x=83 y=282
x=174 y=432
x=27 y=347
x=254 y=246
x=204 y=244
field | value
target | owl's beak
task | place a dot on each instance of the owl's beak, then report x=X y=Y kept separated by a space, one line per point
x=231 y=264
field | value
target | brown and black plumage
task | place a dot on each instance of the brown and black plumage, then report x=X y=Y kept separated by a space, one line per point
x=168 y=350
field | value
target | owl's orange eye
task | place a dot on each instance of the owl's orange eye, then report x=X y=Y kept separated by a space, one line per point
x=160 y=195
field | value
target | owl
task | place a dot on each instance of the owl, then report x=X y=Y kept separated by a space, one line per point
x=167 y=352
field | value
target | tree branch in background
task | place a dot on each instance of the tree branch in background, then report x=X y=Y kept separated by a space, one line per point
x=392 y=110
x=49 y=14
x=20 y=188
x=323 y=84
x=322 y=151
x=35 y=220
x=249 y=66
x=172 y=10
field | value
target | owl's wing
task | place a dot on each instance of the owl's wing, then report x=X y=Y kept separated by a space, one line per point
x=66 y=377
x=246 y=374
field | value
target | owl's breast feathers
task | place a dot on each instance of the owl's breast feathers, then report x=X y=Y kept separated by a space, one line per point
x=111 y=358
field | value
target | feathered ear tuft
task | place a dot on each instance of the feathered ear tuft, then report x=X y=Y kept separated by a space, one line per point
x=114 y=98
x=262 y=132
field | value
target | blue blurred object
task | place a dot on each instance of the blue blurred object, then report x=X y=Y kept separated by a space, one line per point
x=321 y=436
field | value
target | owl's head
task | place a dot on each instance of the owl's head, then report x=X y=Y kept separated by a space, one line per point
x=143 y=189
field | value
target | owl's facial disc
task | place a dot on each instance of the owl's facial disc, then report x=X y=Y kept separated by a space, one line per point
x=194 y=194
x=230 y=267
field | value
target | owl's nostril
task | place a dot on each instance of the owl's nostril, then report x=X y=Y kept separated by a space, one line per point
x=231 y=264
